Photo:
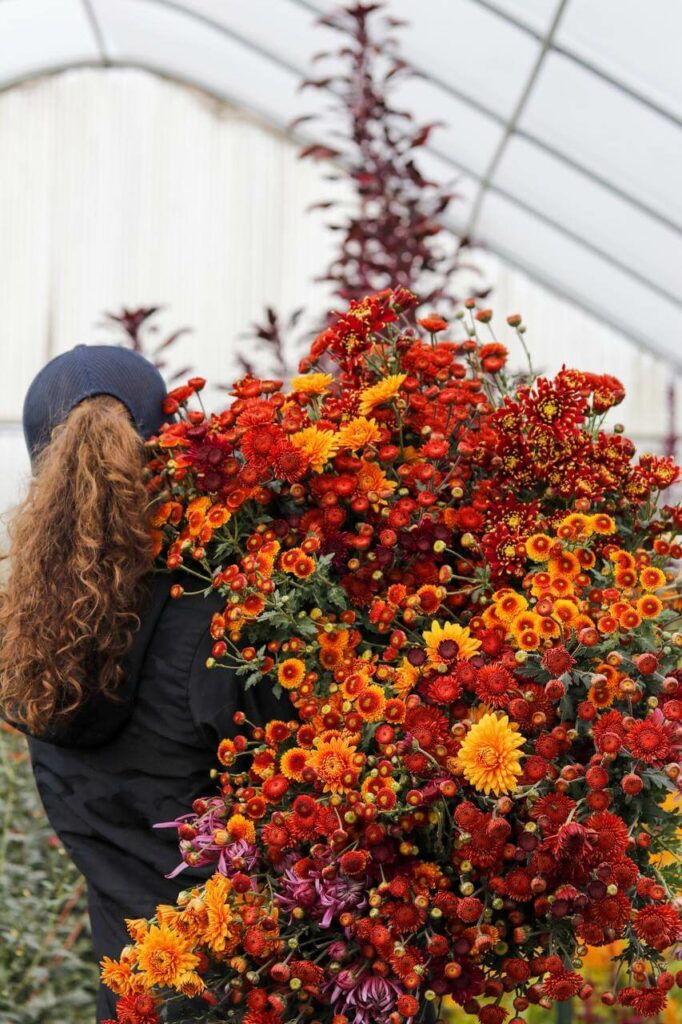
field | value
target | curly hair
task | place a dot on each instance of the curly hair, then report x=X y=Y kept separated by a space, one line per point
x=79 y=554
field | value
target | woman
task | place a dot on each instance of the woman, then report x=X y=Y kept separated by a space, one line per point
x=98 y=665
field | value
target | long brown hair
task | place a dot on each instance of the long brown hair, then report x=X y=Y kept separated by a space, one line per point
x=79 y=552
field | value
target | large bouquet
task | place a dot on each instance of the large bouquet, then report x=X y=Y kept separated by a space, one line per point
x=463 y=582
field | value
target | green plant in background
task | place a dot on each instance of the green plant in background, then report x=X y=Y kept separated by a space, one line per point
x=47 y=975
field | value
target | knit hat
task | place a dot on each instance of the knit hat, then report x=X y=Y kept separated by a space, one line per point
x=88 y=370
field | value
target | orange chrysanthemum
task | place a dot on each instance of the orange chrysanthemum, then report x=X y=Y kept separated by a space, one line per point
x=575 y=526
x=358 y=433
x=165 y=958
x=566 y=564
x=371 y=703
x=538 y=547
x=603 y=524
x=405 y=678
x=119 y=976
x=292 y=764
x=239 y=827
x=373 y=482
x=652 y=578
x=649 y=606
x=296 y=561
x=566 y=612
x=291 y=673
x=509 y=604
x=333 y=760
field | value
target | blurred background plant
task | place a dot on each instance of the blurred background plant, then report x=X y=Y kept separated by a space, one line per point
x=389 y=226
x=142 y=332
x=46 y=972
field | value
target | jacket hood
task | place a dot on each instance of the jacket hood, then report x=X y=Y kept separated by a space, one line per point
x=100 y=718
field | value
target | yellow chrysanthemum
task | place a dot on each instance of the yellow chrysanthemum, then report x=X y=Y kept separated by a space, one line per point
x=357 y=433
x=377 y=394
x=490 y=758
x=312 y=383
x=449 y=643
x=318 y=445
x=165 y=959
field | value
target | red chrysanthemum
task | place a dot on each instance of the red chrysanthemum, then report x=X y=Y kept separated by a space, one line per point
x=623 y=873
x=554 y=806
x=659 y=926
x=261 y=444
x=562 y=984
x=517 y=885
x=310 y=974
x=611 y=912
x=495 y=685
x=492 y=1014
x=442 y=689
x=404 y=918
x=611 y=722
x=647 y=1002
x=289 y=463
x=428 y=726
x=611 y=835
x=139 y=1009
x=649 y=742
x=557 y=660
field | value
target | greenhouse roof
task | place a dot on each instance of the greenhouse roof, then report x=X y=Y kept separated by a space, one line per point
x=564 y=118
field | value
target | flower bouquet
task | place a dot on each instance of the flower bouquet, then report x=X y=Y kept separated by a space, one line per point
x=463 y=581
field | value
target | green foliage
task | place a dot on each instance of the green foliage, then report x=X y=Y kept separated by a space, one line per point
x=47 y=975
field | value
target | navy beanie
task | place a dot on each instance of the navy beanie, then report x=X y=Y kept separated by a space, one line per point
x=88 y=370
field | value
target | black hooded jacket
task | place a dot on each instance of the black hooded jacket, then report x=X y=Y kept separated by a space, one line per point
x=115 y=769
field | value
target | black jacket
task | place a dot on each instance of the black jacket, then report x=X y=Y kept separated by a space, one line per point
x=115 y=769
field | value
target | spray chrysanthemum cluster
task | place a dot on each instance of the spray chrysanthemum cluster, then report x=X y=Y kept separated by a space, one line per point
x=463 y=582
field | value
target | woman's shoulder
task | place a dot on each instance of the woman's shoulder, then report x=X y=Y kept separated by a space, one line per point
x=182 y=622
x=196 y=602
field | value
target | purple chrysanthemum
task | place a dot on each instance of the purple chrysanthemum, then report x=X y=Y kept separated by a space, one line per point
x=364 y=997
